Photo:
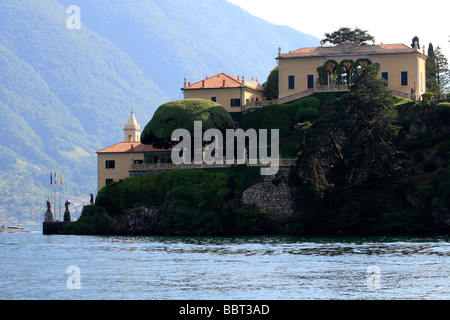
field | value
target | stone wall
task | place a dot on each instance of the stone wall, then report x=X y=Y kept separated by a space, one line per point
x=274 y=194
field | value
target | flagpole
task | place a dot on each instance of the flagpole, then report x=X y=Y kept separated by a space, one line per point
x=60 y=191
x=60 y=202
x=51 y=187
x=54 y=196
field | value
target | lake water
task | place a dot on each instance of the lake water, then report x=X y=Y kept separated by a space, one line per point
x=35 y=266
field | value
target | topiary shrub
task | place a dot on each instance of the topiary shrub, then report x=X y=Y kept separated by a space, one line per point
x=443 y=110
x=306 y=113
x=312 y=102
x=181 y=114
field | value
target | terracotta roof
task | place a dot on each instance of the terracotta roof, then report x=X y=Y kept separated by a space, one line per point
x=131 y=147
x=304 y=50
x=381 y=49
x=394 y=46
x=223 y=80
x=220 y=80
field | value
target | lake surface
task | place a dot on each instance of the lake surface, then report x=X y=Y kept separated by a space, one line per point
x=35 y=266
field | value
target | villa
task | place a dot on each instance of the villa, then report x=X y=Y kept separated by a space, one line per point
x=319 y=69
x=301 y=73
x=230 y=92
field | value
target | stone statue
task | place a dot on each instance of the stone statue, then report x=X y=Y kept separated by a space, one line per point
x=48 y=213
x=92 y=199
x=67 y=212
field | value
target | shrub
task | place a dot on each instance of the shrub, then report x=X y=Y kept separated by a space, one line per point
x=429 y=166
x=308 y=102
x=418 y=156
x=443 y=109
x=444 y=148
x=93 y=221
x=182 y=114
x=305 y=113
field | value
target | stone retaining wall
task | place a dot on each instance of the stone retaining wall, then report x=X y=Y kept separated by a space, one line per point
x=274 y=194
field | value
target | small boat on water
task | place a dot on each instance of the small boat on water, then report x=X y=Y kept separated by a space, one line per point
x=13 y=229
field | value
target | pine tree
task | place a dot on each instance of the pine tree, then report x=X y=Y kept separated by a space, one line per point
x=442 y=72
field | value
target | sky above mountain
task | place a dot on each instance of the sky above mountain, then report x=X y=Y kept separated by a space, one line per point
x=388 y=21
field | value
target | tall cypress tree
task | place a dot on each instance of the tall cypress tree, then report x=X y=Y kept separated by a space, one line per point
x=431 y=71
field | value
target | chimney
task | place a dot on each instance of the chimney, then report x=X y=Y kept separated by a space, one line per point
x=243 y=80
x=238 y=78
x=203 y=83
x=223 y=84
x=185 y=82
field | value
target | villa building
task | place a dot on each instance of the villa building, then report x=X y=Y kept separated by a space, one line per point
x=332 y=67
x=113 y=163
x=231 y=93
x=307 y=70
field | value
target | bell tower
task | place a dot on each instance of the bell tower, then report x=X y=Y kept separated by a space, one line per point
x=132 y=130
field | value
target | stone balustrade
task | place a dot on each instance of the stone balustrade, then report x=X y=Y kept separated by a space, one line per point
x=171 y=166
x=302 y=94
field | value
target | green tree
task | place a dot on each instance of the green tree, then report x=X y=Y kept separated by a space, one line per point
x=271 y=85
x=354 y=141
x=367 y=115
x=430 y=68
x=356 y=36
x=442 y=71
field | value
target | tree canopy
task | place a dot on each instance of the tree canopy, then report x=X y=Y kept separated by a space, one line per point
x=437 y=71
x=352 y=142
x=271 y=85
x=181 y=114
x=356 y=36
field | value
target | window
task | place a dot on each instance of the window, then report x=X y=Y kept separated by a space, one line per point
x=214 y=99
x=404 y=78
x=110 y=164
x=138 y=161
x=235 y=103
x=310 y=80
x=385 y=76
x=108 y=181
x=291 y=82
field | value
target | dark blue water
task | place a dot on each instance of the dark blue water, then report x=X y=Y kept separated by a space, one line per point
x=34 y=266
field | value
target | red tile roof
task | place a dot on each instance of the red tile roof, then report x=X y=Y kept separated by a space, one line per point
x=220 y=80
x=381 y=49
x=131 y=147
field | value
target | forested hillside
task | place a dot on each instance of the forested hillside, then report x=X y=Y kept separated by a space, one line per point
x=65 y=93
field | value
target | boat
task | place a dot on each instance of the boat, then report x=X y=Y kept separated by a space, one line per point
x=13 y=229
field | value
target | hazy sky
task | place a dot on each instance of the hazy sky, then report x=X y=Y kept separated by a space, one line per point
x=390 y=21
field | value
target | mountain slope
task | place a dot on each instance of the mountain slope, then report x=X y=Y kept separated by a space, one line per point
x=66 y=93
x=170 y=40
x=63 y=95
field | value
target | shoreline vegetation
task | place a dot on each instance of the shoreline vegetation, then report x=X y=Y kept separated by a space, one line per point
x=368 y=164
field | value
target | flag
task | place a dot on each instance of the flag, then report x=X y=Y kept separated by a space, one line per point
x=51 y=178
x=55 y=179
x=60 y=176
